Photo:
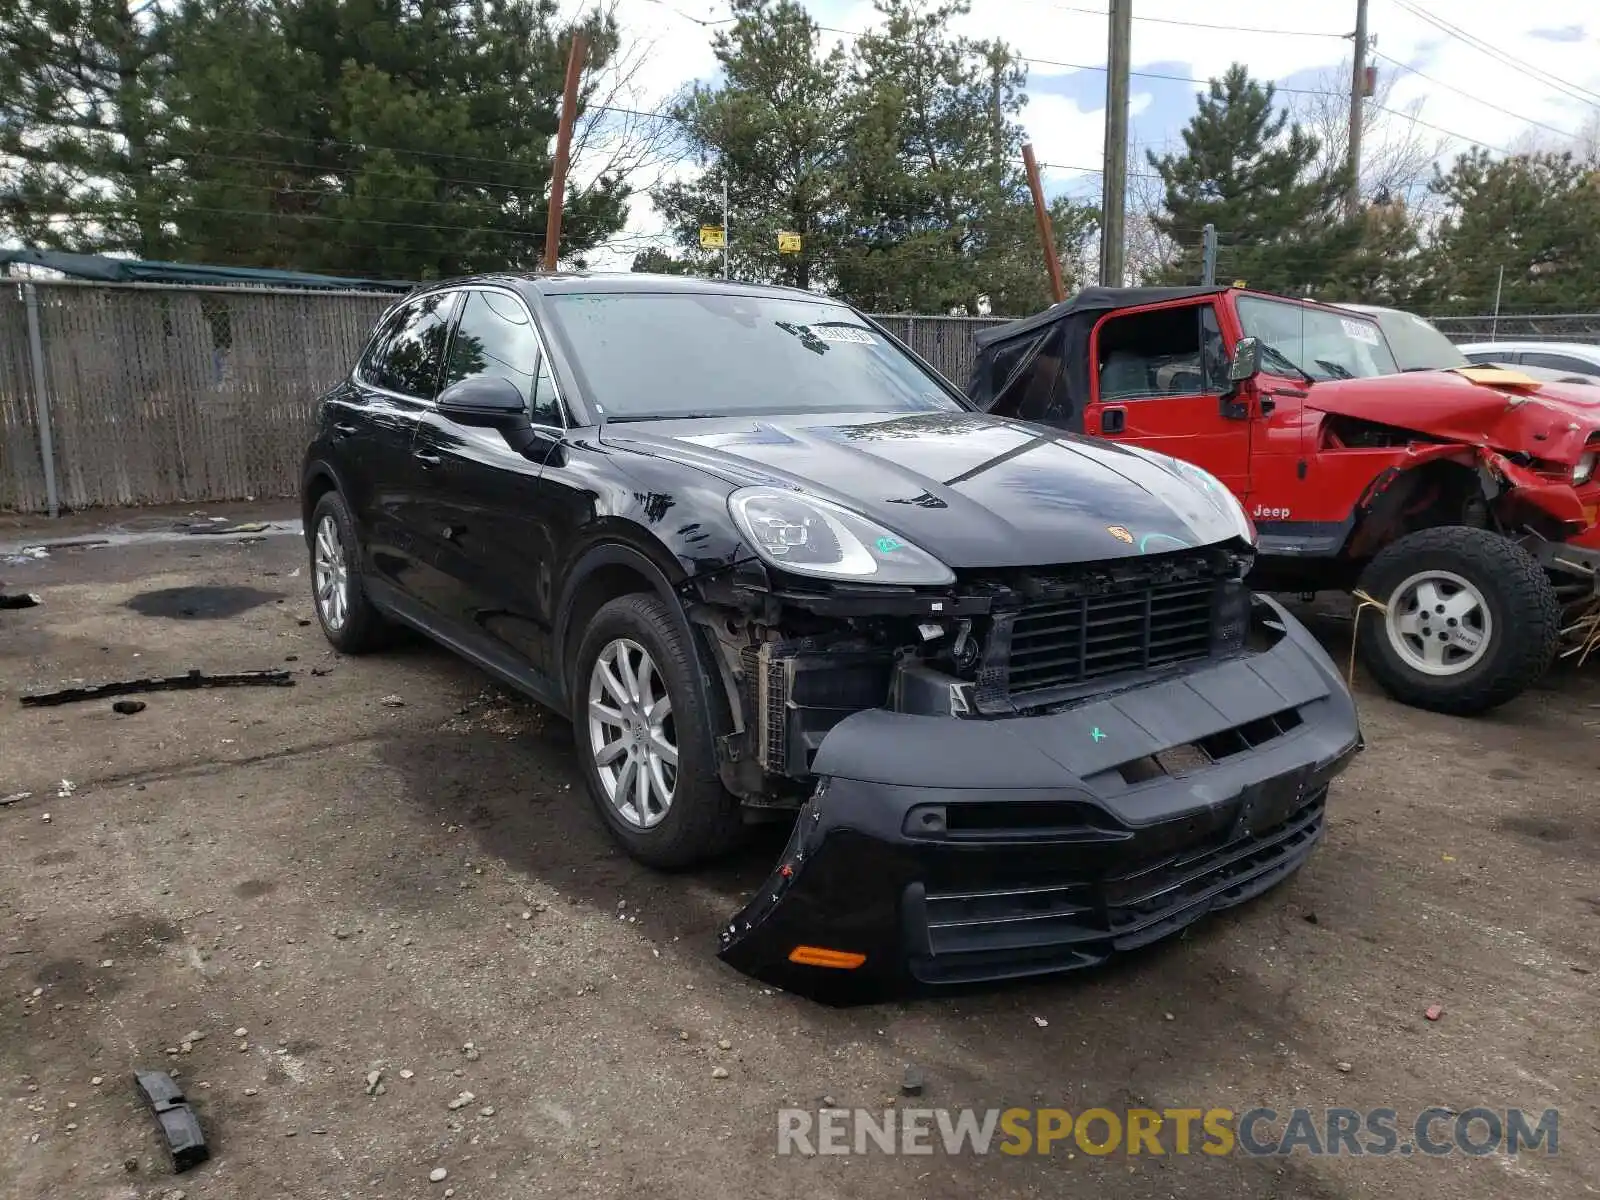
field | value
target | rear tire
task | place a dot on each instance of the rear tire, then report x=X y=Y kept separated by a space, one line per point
x=348 y=618
x=644 y=737
x=1471 y=620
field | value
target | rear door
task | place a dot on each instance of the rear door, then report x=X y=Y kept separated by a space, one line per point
x=1158 y=377
x=395 y=381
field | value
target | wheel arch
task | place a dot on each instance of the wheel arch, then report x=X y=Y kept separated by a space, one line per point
x=1442 y=487
x=320 y=478
x=603 y=572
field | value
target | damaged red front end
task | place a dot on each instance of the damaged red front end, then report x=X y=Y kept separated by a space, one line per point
x=1532 y=447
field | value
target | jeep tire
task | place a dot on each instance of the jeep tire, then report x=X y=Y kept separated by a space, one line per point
x=1469 y=620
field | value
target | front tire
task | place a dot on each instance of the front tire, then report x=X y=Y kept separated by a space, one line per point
x=644 y=737
x=1469 y=620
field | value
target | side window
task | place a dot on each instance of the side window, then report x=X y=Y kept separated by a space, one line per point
x=1168 y=352
x=1485 y=357
x=371 y=365
x=495 y=337
x=1559 y=362
x=407 y=356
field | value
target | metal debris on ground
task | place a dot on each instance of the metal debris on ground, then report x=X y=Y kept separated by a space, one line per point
x=392 y=702
x=247 y=527
x=14 y=798
x=127 y=707
x=179 y=1124
x=171 y=683
x=19 y=600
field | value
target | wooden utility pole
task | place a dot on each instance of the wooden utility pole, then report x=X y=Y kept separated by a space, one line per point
x=1042 y=215
x=1114 y=190
x=558 y=173
x=1358 y=92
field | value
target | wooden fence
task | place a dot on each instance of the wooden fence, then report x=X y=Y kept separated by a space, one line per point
x=159 y=395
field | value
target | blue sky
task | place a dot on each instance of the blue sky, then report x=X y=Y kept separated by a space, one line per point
x=1502 y=80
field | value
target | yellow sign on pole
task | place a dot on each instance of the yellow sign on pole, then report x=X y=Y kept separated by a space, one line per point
x=788 y=243
x=712 y=237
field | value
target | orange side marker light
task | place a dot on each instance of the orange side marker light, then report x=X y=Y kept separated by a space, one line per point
x=816 y=956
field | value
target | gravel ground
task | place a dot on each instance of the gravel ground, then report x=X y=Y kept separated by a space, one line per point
x=324 y=886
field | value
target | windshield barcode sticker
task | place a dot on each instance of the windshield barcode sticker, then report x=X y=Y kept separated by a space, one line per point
x=842 y=333
x=1360 y=331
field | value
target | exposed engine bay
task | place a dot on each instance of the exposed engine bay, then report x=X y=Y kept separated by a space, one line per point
x=999 y=644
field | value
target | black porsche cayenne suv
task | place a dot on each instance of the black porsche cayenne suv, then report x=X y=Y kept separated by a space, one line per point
x=1008 y=683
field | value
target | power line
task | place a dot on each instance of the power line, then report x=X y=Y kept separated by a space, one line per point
x=1450 y=133
x=1072 y=66
x=1572 y=90
x=1476 y=99
x=1096 y=12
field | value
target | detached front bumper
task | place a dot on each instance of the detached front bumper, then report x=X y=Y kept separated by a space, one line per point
x=938 y=852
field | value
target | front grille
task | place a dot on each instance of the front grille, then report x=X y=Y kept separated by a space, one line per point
x=1057 y=643
x=1033 y=929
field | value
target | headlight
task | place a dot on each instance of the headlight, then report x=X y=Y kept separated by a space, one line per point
x=807 y=536
x=1236 y=521
x=1584 y=471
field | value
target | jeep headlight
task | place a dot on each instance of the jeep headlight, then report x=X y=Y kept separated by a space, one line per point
x=1584 y=471
x=805 y=535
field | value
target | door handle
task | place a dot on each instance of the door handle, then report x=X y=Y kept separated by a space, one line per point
x=427 y=460
x=1113 y=420
x=1267 y=405
x=344 y=430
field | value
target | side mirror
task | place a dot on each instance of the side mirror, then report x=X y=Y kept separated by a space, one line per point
x=484 y=400
x=1246 y=362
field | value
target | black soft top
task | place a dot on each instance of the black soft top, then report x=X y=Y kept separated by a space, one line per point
x=1012 y=356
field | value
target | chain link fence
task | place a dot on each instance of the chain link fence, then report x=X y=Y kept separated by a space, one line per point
x=166 y=394
x=155 y=394
x=1523 y=327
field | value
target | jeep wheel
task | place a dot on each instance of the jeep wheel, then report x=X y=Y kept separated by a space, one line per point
x=1469 y=620
x=645 y=739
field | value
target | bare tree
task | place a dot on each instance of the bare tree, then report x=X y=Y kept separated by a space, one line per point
x=1149 y=252
x=1397 y=154
x=623 y=133
x=1583 y=144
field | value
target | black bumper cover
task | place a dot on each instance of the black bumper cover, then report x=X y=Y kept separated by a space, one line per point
x=952 y=852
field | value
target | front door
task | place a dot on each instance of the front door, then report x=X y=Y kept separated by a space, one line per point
x=1158 y=378
x=483 y=514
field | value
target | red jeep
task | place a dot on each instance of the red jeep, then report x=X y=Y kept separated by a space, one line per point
x=1462 y=501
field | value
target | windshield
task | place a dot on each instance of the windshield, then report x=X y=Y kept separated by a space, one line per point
x=1321 y=344
x=1417 y=345
x=652 y=355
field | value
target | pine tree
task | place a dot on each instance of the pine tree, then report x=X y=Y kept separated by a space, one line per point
x=81 y=147
x=940 y=214
x=772 y=132
x=1535 y=215
x=398 y=138
x=1250 y=172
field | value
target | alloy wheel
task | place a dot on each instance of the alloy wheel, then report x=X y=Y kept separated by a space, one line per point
x=1439 y=623
x=631 y=733
x=331 y=575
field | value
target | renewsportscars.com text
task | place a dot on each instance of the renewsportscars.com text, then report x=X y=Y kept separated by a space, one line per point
x=1256 y=1132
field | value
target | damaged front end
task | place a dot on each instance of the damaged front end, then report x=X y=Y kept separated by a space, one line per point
x=1020 y=773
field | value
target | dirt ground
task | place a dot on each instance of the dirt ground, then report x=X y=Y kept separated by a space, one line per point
x=324 y=884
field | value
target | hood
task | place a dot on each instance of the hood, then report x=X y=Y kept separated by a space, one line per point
x=971 y=489
x=1476 y=405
